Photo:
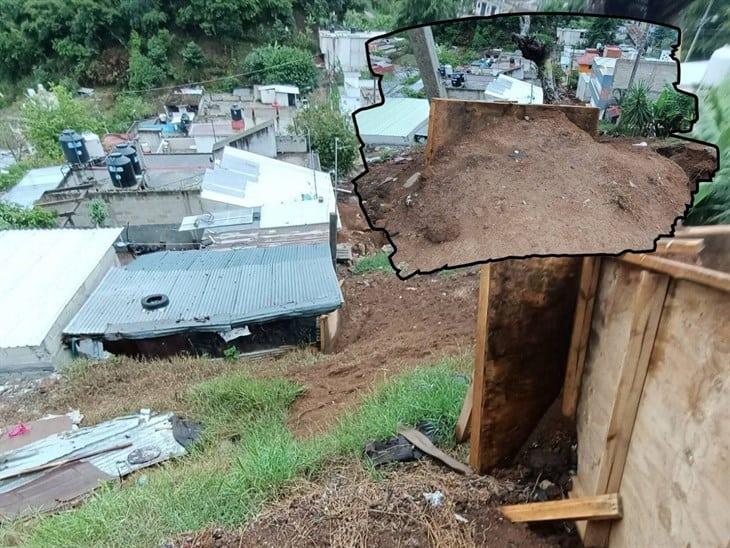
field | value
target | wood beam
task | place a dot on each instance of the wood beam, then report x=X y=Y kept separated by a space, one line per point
x=601 y=507
x=698 y=274
x=590 y=273
x=463 y=424
x=646 y=314
x=476 y=456
x=683 y=246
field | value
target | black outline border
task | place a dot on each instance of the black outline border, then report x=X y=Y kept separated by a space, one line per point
x=445 y=267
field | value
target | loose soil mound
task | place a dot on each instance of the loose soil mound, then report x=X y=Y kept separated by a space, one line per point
x=523 y=187
x=350 y=509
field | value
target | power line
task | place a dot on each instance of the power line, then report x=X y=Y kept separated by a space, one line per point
x=162 y=88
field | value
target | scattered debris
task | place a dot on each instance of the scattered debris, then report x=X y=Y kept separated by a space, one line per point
x=434 y=499
x=412 y=180
x=54 y=462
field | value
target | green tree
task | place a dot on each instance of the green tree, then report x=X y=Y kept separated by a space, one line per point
x=601 y=30
x=673 y=112
x=414 y=12
x=142 y=72
x=714 y=34
x=325 y=124
x=637 y=115
x=276 y=64
x=14 y=216
x=193 y=55
x=227 y=18
x=158 y=46
x=44 y=118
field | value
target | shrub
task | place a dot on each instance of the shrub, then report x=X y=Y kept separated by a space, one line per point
x=276 y=64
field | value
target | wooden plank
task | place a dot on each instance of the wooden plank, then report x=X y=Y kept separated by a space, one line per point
x=702 y=231
x=424 y=444
x=675 y=489
x=698 y=274
x=581 y=330
x=476 y=456
x=600 y=507
x=685 y=246
x=646 y=314
x=462 y=425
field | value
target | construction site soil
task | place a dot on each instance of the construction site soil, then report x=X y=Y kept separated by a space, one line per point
x=523 y=186
x=388 y=325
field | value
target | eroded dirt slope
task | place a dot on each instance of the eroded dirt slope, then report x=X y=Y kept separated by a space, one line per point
x=521 y=187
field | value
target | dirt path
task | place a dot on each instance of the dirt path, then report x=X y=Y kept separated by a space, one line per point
x=521 y=187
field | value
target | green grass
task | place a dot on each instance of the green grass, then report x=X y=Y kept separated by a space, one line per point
x=246 y=458
x=373 y=263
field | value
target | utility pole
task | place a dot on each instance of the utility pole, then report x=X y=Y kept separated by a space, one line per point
x=424 y=50
x=337 y=145
x=701 y=24
x=640 y=50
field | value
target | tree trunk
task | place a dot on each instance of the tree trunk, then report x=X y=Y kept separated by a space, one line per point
x=539 y=53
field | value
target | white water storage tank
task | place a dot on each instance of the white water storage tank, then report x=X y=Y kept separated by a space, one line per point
x=93 y=145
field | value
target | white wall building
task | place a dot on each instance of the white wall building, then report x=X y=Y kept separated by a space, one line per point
x=283 y=95
x=570 y=37
x=345 y=50
x=46 y=277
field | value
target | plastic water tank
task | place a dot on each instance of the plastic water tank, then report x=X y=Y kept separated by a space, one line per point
x=120 y=170
x=128 y=150
x=73 y=146
x=236 y=113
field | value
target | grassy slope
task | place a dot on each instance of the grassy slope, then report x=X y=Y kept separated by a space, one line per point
x=248 y=456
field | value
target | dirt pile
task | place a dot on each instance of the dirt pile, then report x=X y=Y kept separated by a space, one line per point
x=524 y=186
x=348 y=508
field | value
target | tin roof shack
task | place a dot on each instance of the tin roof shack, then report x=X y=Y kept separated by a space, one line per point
x=398 y=121
x=279 y=94
x=205 y=301
x=190 y=100
x=46 y=277
x=345 y=50
x=34 y=184
x=270 y=202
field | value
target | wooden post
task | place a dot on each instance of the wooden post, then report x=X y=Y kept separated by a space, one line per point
x=647 y=310
x=590 y=273
x=476 y=456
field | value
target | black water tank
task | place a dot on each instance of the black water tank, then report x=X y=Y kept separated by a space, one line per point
x=236 y=113
x=120 y=170
x=74 y=148
x=126 y=149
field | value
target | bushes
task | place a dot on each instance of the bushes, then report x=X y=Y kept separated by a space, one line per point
x=672 y=112
x=14 y=216
x=276 y=64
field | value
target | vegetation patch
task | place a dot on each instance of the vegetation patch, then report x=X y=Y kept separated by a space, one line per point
x=377 y=262
x=247 y=457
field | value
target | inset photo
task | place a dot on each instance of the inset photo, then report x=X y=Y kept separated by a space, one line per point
x=521 y=136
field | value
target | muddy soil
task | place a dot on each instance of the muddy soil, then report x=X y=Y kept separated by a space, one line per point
x=388 y=325
x=522 y=187
x=348 y=508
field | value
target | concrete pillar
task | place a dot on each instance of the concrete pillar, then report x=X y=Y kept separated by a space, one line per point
x=424 y=50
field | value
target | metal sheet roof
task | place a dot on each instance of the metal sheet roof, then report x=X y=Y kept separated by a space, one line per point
x=397 y=117
x=33 y=184
x=245 y=179
x=512 y=89
x=42 y=271
x=210 y=290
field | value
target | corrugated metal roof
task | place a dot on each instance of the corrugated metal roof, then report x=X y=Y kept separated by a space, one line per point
x=310 y=212
x=41 y=272
x=397 y=117
x=513 y=89
x=33 y=184
x=218 y=219
x=210 y=291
